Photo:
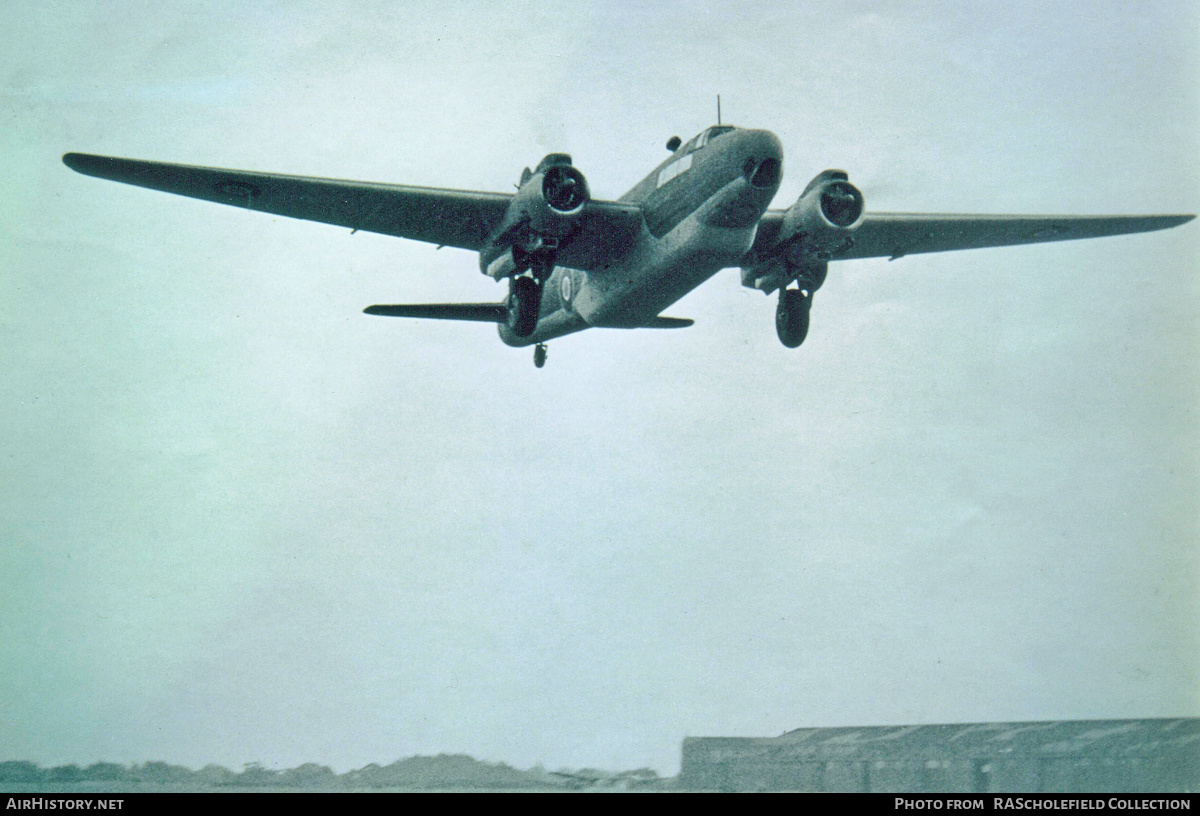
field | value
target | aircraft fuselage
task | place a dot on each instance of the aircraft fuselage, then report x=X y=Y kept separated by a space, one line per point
x=702 y=207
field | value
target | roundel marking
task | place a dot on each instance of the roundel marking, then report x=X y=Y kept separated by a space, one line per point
x=566 y=288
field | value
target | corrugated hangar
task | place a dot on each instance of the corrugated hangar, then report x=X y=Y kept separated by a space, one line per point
x=1084 y=756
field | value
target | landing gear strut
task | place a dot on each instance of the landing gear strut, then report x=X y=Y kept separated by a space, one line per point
x=539 y=355
x=791 y=316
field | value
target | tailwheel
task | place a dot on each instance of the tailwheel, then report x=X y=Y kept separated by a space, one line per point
x=539 y=355
x=791 y=316
x=524 y=303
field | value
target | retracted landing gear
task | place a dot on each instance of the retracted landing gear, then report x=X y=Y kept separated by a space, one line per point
x=791 y=316
x=539 y=355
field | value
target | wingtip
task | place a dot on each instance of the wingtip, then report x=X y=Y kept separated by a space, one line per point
x=91 y=164
x=1161 y=222
x=79 y=162
x=1169 y=221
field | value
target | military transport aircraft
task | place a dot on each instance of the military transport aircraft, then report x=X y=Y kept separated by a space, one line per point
x=574 y=262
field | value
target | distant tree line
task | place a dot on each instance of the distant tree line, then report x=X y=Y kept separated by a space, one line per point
x=446 y=771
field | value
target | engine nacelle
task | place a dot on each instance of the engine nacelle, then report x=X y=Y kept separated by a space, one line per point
x=546 y=209
x=551 y=198
x=821 y=222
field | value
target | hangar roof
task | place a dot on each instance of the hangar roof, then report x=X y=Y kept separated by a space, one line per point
x=1099 y=738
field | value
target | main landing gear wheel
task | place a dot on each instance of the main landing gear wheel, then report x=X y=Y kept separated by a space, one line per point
x=539 y=355
x=524 y=303
x=791 y=316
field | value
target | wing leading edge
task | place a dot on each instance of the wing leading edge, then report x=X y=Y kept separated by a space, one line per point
x=464 y=219
x=894 y=235
x=457 y=218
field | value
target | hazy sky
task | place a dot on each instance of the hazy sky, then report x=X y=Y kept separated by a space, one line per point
x=241 y=521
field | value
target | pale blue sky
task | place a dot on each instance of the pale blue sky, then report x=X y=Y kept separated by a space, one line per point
x=241 y=521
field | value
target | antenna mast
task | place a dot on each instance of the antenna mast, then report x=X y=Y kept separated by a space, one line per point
x=718 y=109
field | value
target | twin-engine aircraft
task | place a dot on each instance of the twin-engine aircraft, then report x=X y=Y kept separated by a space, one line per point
x=573 y=262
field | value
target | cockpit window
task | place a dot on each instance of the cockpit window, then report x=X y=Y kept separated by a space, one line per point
x=675 y=168
x=713 y=133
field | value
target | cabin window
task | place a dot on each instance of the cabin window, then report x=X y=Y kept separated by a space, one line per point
x=674 y=169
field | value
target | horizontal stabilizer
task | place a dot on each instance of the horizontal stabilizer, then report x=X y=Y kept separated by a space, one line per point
x=482 y=312
x=669 y=323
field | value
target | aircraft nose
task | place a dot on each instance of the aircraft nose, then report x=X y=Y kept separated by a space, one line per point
x=763 y=163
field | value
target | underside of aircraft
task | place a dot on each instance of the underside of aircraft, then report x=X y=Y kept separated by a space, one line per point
x=573 y=262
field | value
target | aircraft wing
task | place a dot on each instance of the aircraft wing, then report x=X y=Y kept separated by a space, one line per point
x=894 y=235
x=457 y=218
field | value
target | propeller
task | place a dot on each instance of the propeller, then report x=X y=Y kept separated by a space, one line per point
x=842 y=203
x=564 y=189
